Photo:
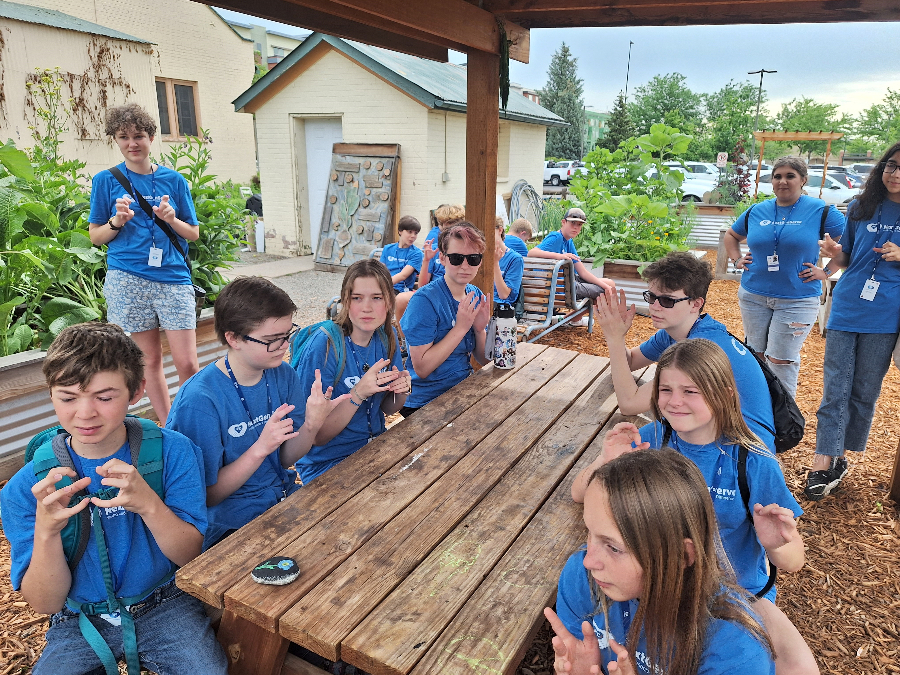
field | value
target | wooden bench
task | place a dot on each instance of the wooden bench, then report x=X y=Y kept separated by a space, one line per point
x=548 y=286
x=706 y=233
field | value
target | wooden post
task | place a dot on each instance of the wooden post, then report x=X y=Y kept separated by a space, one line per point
x=482 y=131
x=894 y=487
x=825 y=168
x=759 y=162
x=251 y=650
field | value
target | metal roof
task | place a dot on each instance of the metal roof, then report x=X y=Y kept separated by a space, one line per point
x=54 y=19
x=436 y=85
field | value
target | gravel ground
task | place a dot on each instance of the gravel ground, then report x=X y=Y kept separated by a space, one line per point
x=311 y=292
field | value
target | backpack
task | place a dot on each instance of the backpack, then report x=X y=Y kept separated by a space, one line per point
x=744 y=488
x=48 y=450
x=335 y=341
x=789 y=421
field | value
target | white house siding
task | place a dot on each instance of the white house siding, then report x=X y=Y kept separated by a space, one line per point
x=526 y=156
x=191 y=43
x=29 y=46
x=371 y=110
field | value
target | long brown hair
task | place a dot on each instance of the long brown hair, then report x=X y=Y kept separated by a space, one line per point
x=708 y=367
x=378 y=271
x=874 y=191
x=659 y=498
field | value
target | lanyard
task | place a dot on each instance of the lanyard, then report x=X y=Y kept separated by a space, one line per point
x=889 y=237
x=152 y=225
x=777 y=232
x=362 y=370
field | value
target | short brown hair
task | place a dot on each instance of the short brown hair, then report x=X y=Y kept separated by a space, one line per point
x=85 y=349
x=247 y=302
x=410 y=224
x=681 y=270
x=463 y=231
x=521 y=226
x=796 y=163
x=129 y=116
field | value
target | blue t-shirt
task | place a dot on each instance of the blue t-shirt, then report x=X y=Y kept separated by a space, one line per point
x=396 y=258
x=436 y=268
x=130 y=250
x=512 y=266
x=849 y=312
x=516 y=244
x=368 y=420
x=555 y=242
x=729 y=647
x=208 y=410
x=430 y=315
x=718 y=464
x=432 y=236
x=753 y=392
x=798 y=243
x=136 y=561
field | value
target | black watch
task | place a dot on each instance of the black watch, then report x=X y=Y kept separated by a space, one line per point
x=113 y=227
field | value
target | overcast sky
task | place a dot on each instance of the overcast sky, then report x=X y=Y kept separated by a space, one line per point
x=831 y=63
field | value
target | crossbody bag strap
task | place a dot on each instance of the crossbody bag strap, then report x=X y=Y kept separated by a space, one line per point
x=744 y=488
x=146 y=208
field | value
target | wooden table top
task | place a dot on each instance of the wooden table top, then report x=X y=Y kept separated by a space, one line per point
x=434 y=548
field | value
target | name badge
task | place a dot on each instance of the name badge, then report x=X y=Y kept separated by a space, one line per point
x=772 y=260
x=870 y=289
x=155 y=259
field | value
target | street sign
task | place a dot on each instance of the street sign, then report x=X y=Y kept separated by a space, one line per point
x=722 y=160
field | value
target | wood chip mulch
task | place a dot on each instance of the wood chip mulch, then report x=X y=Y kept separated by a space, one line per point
x=846 y=599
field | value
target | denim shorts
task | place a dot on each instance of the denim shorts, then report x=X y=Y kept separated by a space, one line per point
x=137 y=304
x=173 y=631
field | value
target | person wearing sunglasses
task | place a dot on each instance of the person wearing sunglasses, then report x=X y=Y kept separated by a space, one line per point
x=248 y=411
x=781 y=284
x=863 y=324
x=444 y=322
x=678 y=284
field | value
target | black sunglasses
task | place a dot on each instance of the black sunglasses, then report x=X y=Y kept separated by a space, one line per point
x=277 y=343
x=456 y=259
x=665 y=301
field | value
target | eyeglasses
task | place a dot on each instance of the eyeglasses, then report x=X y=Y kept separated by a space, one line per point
x=665 y=301
x=277 y=343
x=456 y=259
x=890 y=167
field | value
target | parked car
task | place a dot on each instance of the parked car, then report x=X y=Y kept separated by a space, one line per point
x=752 y=166
x=843 y=174
x=561 y=172
x=694 y=187
x=834 y=192
x=697 y=168
x=862 y=169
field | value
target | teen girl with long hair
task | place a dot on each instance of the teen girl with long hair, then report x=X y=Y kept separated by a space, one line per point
x=697 y=413
x=371 y=370
x=653 y=591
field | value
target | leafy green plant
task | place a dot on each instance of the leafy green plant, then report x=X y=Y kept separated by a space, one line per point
x=630 y=198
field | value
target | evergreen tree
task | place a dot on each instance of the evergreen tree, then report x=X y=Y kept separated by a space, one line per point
x=619 y=128
x=564 y=95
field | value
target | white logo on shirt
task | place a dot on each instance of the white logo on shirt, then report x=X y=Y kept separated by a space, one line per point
x=765 y=222
x=351 y=381
x=237 y=430
x=872 y=227
x=114 y=511
x=738 y=346
x=602 y=636
x=722 y=493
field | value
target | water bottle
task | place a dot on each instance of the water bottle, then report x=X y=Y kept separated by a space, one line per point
x=505 y=340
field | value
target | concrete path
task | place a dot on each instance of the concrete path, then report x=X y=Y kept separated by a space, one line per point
x=273 y=269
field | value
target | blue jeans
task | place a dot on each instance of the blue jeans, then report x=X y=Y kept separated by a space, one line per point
x=778 y=327
x=173 y=634
x=855 y=366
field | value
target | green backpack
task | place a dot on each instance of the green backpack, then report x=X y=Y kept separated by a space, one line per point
x=48 y=450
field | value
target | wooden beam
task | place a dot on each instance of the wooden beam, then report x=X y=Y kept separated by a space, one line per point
x=797 y=135
x=587 y=13
x=482 y=135
x=291 y=13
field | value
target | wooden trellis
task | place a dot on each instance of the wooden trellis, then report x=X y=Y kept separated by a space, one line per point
x=763 y=136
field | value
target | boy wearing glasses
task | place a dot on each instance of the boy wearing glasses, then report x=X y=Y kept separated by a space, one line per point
x=678 y=285
x=246 y=410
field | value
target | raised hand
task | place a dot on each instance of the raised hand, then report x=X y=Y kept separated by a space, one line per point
x=320 y=404
x=623 y=664
x=890 y=251
x=277 y=430
x=428 y=252
x=775 y=526
x=482 y=315
x=619 y=441
x=572 y=656
x=613 y=314
x=165 y=210
x=468 y=311
x=53 y=511
x=828 y=247
x=123 y=210
x=134 y=493
x=368 y=384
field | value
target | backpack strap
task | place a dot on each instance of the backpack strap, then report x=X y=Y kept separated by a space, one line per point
x=744 y=488
x=747 y=218
x=822 y=222
x=81 y=522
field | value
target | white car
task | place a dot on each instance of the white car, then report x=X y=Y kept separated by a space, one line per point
x=833 y=192
x=562 y=172
x=697 y=169
x=694 y=187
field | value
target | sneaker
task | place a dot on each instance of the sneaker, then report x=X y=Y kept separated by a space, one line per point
x=820 y=484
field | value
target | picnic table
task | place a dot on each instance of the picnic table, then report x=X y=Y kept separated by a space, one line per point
x=434 y=548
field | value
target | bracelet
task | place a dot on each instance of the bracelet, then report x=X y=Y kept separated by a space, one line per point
x=353 y=392
x=354 y=402
x=113 y=227
x=827 y=271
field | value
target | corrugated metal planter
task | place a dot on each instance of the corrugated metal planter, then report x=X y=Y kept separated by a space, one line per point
x=25 y=407
x=627 y=277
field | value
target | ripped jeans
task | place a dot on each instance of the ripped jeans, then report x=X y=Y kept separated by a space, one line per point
x=778 y=328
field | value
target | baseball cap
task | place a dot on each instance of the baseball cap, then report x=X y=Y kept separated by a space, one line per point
x=575 y=214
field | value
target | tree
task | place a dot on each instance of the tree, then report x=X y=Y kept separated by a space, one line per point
x=564 y=95
x=730 y=114
x=879 y=125
x=667 y=99
x=806 y=114
x=619 y=127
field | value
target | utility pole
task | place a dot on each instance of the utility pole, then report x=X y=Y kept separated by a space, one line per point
x=628 y=70
x=761 y=72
